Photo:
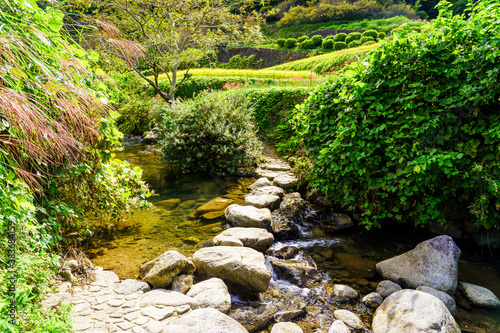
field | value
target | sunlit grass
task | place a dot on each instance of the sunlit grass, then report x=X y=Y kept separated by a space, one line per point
x=252 y=73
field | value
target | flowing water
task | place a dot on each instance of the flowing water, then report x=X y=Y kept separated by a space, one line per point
x=347 y=257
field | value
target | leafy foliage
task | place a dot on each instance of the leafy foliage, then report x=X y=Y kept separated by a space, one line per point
x=301 y=39
x=327 y=44
x=290 y=43
x=414 y=131
x=352 y=37
x=281 y=42
x=214 y=133
x=307 y=44
x=317 y=40
x=340 y=37
x=340 y=46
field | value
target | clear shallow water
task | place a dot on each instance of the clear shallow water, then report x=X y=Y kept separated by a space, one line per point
x=348 y=257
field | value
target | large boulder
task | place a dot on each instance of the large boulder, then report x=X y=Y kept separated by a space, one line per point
x=211 y=293
x=285 y=181
x=269 y=190
x=269 y=201
x=204 y=321
x=479 y=296
x=338 y=326
x=412 y=311
x=257 y=238
x=261 y=182
x=164 y=298
x=131 y=286
x=243 y=269
x=444 y=297
x=248 y=216
x=343 y=293
x=432 y=263
x=214 y=205
x=161 y=271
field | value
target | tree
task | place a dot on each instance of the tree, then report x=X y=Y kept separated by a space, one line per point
x=165 y=36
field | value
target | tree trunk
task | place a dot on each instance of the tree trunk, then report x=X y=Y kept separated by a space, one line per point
x=154 y=85
x=173 y=86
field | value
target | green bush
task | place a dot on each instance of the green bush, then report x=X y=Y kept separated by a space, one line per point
x=135 y=115
x=214 y=132
x=330 y=37
x=368 y=42
x=281 y=42
x=381 y=35
x=340 y=37
x=290 y=43
x=365 y=39
x=339 y=46
x=328 y=44
x=414 y=140
x=370 y=33
x=317 y=40
x=352 y=37
x=308 y=44
x=301 y=39
x=354 y=43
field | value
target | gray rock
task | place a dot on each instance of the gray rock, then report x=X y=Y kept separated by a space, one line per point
x=348 y=318
x=66 y=274
x=221 y=240
x=243 y=269
x=71 y=265
x=248 y=216
x=105 y=278
x=131 y=286
x=286 y=328
x=338 y=326
x=285 y=181
x=300 y=273
x=336 y=222
x=157 y=313
x=444 y=297
x=160 y=272
x=269 y=190
x=182 y=283
x=479 y=296
x=276 y=166
x=204 y=321
x=432 y=263
x=163 y=297
x=254 y=318
x=386 y=287
x=264 y=173
x=269 y=201
x=257 y=238
x=284 y=316
x=151 y=136
x=261 y=182
x=373 y=300
x=211 y=293
x=409 y=311
x=343 y=293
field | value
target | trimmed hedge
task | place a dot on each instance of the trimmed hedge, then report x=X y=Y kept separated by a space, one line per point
x=340 y=37
x=354 y=43
x=290 y=43
x=370 y=33
x=307 y=44
x=281 y=42
x=317 y=40
x=352 y=37
x=340 y=46
x=365 y=39
x=301 y=39
x=328 y=44
x=381 y=35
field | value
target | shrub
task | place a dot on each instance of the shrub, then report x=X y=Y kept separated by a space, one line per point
x=381 y=35
x=307 y=44
x=317 y=40
x=352 y=37
x=368 y=42
x=281 y=42
x=290 y=43
x=328 y=44
x=340 y=37
x=370 y=33
x=135 y=116
x=301 y=39
x=214 y=132
x=366 y=39
x=355 y=43
x=330 y=37
x=340 y=46
x=410 y=147
x=196 y=84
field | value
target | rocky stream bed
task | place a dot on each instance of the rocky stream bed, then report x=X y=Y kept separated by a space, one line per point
x=283 y=264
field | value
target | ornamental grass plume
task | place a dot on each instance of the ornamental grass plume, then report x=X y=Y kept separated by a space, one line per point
x=48 y=113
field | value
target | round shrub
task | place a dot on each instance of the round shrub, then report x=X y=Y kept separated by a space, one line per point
x=214 y=132
x=413 y=148
x=370 y=33
x=330 y=37
x=381 y=35
x=340 y=46
x=355 y=43
x=281 y=42
x=317 y=40
x=301 y=39
x=365 y=39
x=307 y=45
x=352 y=37
x=327 y=44
x=368 y=42
x=290 y=43
x=340 y=37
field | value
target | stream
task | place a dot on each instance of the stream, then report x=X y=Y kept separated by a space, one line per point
x=347 y=257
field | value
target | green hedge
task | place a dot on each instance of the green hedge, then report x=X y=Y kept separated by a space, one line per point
x=414 y=140
x=317 y=40
x=328 y=44
x=281 y=42
x=340 y=46
x=290 y=43
x=352 y=37
x=340 y=37
x=307 y=45
x=301 y=39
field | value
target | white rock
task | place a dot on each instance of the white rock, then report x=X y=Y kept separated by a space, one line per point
x=338 y=326
x=212 y=293
x=286 y=328
x=204 y=321
x=257 y=238
x=444 y=297
x=269 y=190
x=248 y=216
x=285 y=181
x=271 y=202
x=348 y=318
x=261 y=182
